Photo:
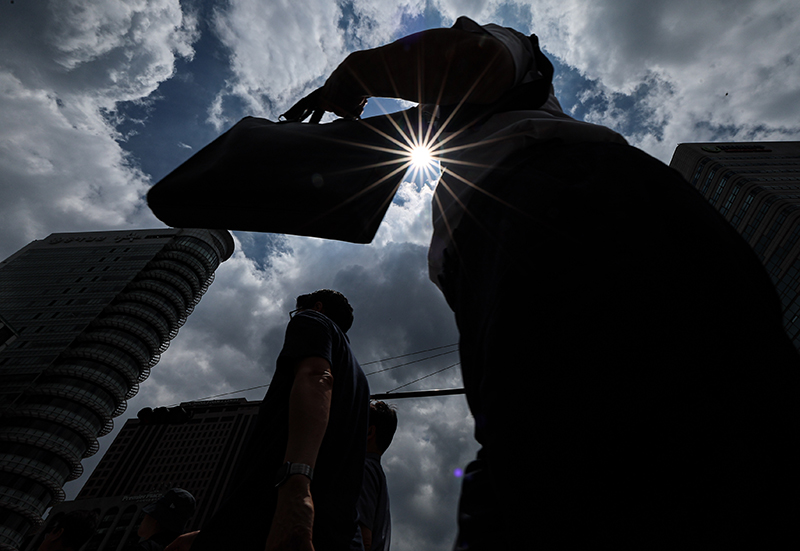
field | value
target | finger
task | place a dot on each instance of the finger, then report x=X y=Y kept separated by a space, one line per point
x=316 y=116
x=353 y=111
x=296 y=112
x=303 y=108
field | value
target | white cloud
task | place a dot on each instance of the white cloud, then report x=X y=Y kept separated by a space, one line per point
x=60 y=168
x=84 y=32
x=64 y=66
x=276 y=52
x=724 y=63
x=278 y=55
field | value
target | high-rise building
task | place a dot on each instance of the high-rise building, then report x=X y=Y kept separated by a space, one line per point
x=194 y=447
x=756 y=187
x=85 y=316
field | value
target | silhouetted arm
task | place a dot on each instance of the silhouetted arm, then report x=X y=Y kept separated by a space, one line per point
x=366 y=537
x=439 y=66
x=309 y=408
x=182 y=542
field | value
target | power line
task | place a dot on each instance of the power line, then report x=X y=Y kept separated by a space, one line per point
x=425 y=377
x=367 y=374
x=410 y=354
x=412 y=362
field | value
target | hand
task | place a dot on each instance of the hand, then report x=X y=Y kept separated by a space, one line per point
x=182 y=543
x=343 y=94
x=315 y=105
x=309 y=105
x=292 y=525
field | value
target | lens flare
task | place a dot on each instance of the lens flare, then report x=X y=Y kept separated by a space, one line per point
x=421 y=157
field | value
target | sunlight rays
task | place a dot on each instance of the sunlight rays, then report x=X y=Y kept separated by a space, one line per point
x=420 y=156
x=416 y=143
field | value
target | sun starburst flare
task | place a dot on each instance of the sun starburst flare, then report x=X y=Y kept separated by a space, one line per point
x=420 y=156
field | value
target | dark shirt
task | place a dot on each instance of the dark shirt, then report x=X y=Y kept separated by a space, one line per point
x=373 y=505
x=243 y=521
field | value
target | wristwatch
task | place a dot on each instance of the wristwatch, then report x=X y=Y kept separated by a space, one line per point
x=288 y=469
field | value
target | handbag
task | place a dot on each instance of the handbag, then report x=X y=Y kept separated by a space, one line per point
x=333 y=180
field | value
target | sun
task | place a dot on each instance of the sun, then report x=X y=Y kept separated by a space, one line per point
x=421 y=157
x=422 y=162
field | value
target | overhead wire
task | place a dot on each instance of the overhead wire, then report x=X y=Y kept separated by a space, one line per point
x=409 y=363
x=366 y=374
x=409 y=354
x=424 y=377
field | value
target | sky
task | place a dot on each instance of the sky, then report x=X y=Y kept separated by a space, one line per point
x=99 y=100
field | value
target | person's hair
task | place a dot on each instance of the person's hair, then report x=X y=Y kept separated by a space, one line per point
x=384 y=417
x=337 y=308
x=78 y=527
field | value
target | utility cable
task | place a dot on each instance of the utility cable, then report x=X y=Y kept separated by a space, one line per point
x=411 y=354
x=425 y=377
x=367 y=374
x=411 y=362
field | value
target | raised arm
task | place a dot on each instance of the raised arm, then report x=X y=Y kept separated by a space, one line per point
x=439 y=66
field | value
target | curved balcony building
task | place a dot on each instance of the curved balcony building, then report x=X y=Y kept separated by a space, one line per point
x=91 y=314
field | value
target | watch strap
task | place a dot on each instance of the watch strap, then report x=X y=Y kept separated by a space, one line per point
x=288 y=469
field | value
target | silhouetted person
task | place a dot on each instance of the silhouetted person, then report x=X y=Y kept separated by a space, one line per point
x=165 y=520
x=300 y=476
x=374 y=516
x=621 y=345
x=70 y=531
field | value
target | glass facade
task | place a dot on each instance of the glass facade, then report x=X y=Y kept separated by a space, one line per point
x=196 y=451
x=85 y=317
x=763 y=205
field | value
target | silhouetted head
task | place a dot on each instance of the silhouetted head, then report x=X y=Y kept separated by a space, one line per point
x=334 y=305
x=70 y=531
x=169 y=514
x=384 y=418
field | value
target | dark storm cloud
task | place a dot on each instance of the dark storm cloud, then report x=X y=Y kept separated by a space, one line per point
x=436 y=440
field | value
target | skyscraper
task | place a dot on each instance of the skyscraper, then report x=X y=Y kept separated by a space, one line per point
x=84 y=317
x=194 y=447
x=756 y=187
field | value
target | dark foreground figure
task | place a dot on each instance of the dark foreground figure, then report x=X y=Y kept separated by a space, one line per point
x=300 y=476
x=70 y=532
x=621 y=345
x=164 y=520
x=374 y=515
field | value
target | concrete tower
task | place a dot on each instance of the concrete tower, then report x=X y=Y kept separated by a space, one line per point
x=83 y=319
x=194 y=447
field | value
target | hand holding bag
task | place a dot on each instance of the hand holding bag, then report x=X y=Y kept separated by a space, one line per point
x=334 y=180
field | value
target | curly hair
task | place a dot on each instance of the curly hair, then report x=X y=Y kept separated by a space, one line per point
x=337 y=308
